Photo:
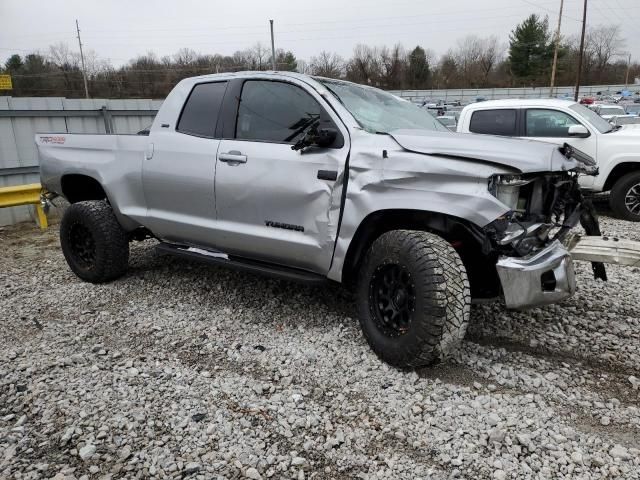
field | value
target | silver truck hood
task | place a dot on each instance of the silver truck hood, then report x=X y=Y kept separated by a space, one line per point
x=523 y=156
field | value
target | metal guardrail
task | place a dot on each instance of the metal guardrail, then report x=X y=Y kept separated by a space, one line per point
x=25 y=195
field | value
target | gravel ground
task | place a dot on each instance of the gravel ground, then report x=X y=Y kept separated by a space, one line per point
x=184 y=370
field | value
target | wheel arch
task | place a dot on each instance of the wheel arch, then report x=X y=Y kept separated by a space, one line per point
x=80 y=187
x=467 y=239
x=619 y=171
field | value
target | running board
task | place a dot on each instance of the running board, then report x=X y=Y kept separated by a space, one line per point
x=616 y=251
x=219 y=258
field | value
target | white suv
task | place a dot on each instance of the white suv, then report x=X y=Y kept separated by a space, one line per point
x=615 y=149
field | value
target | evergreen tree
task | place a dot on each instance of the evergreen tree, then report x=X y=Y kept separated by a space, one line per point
x=418 y=71
x=531 y=50
x=286 y=61
x=14 y=64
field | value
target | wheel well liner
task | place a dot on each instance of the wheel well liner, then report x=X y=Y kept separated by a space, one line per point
x=77 y=188
x=618 y=172
x=466 y=237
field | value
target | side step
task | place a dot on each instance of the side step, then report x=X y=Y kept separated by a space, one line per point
x=238 y=263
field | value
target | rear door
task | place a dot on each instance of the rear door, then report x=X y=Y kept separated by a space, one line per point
x=274 y=203
x=179 y=170
x=497 y=121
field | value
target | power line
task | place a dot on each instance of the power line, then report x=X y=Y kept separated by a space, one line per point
x=548 y=10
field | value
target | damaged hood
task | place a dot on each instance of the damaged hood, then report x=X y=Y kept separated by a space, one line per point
x=523 y=156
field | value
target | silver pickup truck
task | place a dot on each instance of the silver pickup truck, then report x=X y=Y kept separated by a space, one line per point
x=315 y=179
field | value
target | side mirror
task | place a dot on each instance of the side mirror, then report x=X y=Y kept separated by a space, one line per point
x=578 y=131
x=326 y=137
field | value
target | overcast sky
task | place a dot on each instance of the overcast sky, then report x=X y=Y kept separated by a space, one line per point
x=119 y=30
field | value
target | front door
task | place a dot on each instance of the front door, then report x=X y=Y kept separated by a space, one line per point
x=179 y=170
x=274 y=203
x=549 y=125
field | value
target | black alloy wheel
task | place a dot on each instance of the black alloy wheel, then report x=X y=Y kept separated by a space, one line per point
x=393 y=299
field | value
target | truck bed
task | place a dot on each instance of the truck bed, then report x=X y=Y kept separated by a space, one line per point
x=114 y=161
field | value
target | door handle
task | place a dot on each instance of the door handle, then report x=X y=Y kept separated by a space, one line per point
x=232 y=158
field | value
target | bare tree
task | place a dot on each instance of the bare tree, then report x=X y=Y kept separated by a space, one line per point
x=327 y=64
x=491 y=52
x=467 y=57
x=364 y=66
x=259 y=57
x=602 y=44
x=394 y=66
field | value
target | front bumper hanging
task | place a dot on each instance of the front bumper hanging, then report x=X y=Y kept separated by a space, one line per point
x=548 y=276
x=540 y=279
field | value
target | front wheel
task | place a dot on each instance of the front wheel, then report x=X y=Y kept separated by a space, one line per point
x=93 y=242
x=625 y=197
x=413 y=298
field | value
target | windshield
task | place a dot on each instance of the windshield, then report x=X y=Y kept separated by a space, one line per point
x=633 y=108
x=592 y=117
x=377 y=111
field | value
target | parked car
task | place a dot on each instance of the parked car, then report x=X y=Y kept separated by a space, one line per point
x=315 y=179
x=616 y=149
x=625 y=120
x=608 y=111
x=632 y=109
x=586 y=100
x=448 y=121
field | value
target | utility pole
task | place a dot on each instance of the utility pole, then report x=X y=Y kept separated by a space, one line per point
x=555 y=52
x=626 y=77
x=84 y=71
x=273 y=48
x=584 y=26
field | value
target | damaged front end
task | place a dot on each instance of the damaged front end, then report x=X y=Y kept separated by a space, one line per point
x=534 y=266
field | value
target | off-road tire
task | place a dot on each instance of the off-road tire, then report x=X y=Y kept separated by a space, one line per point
x=620 y=191
x=104 y=236
x=439 y=281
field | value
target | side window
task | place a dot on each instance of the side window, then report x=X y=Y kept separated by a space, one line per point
x=274 y=112
x=200 y=113
x=548 y=123
x=494 y=122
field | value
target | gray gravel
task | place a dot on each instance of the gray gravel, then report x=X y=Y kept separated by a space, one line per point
x=182 y=370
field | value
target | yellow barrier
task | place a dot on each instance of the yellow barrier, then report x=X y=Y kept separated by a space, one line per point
x=24 y=195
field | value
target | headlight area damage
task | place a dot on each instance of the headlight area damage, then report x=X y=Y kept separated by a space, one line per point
x=534 y=266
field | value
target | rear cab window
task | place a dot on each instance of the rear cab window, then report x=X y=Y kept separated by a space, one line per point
x=200 y=112
x=494 y=122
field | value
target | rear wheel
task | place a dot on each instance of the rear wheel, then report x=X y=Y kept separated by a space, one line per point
x=413 y=298
x=625 y=197
x=93 y=242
